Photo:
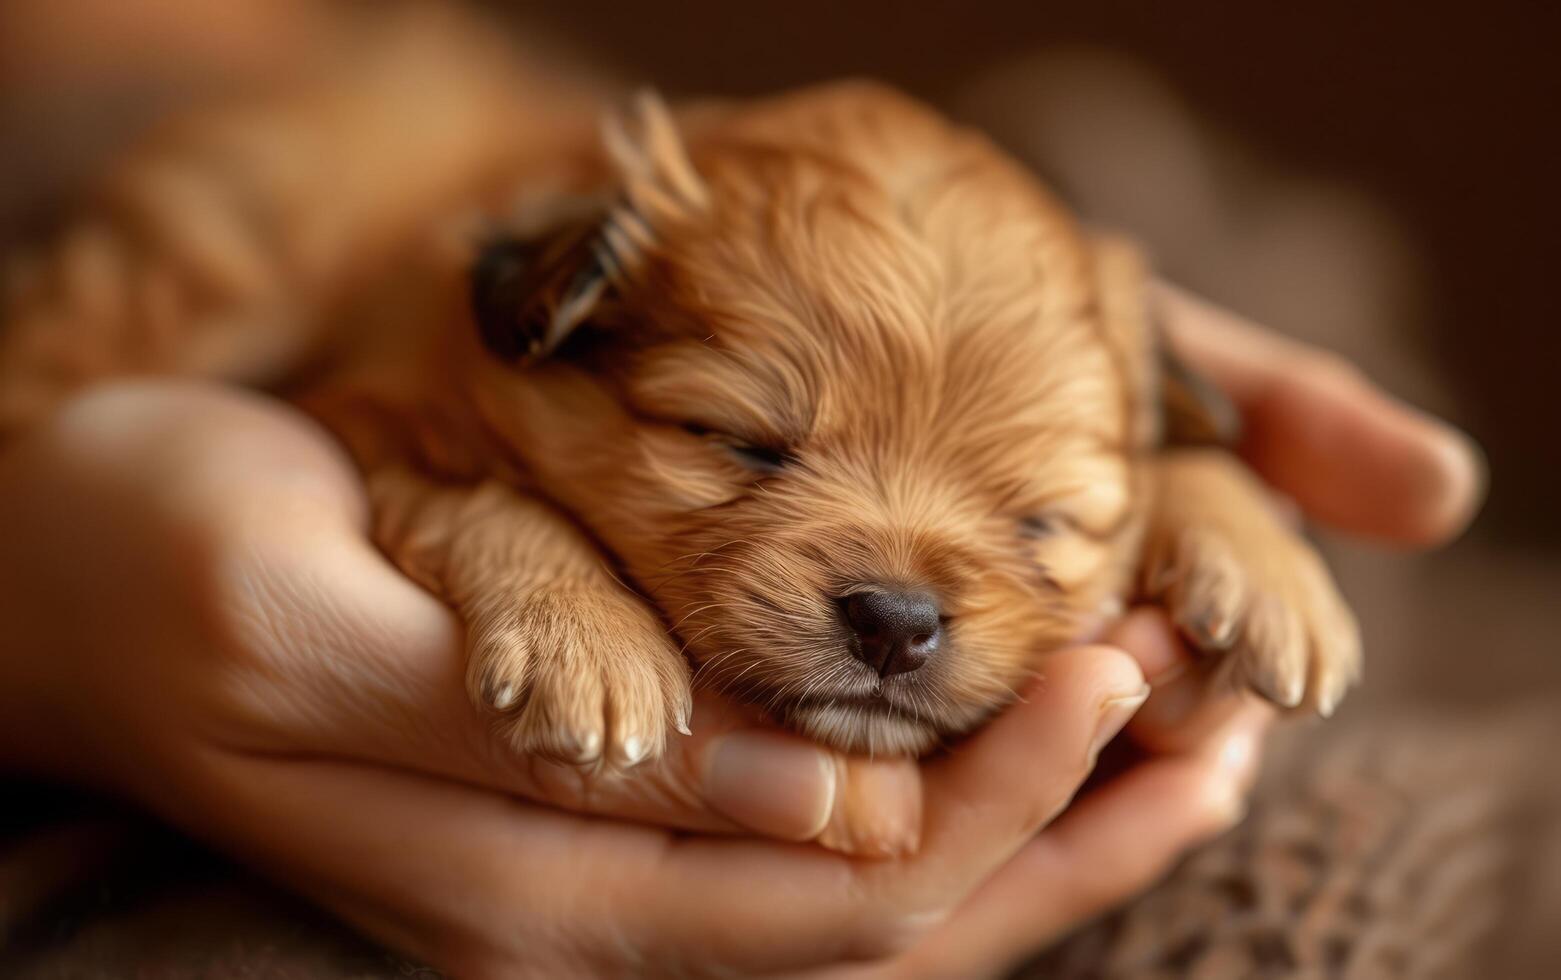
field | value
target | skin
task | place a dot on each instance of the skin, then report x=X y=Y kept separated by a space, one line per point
x=196 y=620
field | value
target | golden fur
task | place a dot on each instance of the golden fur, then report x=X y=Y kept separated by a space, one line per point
x=834 y=342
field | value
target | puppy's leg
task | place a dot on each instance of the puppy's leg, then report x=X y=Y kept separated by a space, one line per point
x=1239 y=582
x=576 y=667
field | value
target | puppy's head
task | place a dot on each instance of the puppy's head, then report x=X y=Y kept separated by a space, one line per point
x=838 y=385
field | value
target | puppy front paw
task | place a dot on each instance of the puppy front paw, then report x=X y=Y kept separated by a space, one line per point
x=1241 y=584
x=580 y=674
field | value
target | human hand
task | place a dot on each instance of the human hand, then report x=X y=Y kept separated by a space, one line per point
x=198 y=622
x=1351 y=456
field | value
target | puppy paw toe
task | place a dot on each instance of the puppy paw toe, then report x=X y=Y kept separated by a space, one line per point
x=499 y=663
x=556 y=727
x=1274 y=651
x=580 y=678
x=1205 y=590
x=1272 y=610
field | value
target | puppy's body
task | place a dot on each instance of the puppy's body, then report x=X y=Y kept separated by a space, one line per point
x=834 y=384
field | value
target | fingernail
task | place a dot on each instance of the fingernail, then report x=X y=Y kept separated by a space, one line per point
x=1114 y=714
x=877 y=809
x=772 y=784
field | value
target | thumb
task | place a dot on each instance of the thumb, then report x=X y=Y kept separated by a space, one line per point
x=737 y=773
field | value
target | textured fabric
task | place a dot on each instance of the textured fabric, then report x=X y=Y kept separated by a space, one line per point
x=1372 y=851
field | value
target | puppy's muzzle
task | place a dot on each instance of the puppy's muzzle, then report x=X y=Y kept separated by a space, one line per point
x=893 y=631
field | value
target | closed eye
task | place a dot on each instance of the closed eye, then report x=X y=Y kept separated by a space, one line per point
x=760 y=459
x=1044 y=525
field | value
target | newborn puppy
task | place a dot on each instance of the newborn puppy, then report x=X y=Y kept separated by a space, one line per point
x=822 y=397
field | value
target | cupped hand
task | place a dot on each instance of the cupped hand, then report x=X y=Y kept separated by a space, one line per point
x=195 y=619
x=196 y=562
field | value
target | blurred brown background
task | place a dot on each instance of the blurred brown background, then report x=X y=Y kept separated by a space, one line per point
x=1381 y=178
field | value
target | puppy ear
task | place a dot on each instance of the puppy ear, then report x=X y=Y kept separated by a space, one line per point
x=529 y=293
x=659 y=181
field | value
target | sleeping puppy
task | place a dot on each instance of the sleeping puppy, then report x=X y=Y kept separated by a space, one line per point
x=821 y=401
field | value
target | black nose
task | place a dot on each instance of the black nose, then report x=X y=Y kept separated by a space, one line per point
x=895 y=631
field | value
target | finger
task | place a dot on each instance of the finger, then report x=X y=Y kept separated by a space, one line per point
x=481 y=885
x=343 y=655
x=789 y=787
x=1109 y=846
x=981 y=805
x=735 y=773
x=1015 y=775
x=1191 y=699
x=1350 y=455
x=467 y=880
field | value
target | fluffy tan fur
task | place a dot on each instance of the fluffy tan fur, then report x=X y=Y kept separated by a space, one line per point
x=956 y=388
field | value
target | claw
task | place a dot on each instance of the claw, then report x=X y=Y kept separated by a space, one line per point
x=581 y=747
x=1330 y=693
x=634 y=750
x=1210 y=630
x=503 y=697
x=1283 y=688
